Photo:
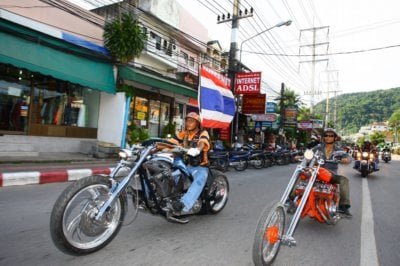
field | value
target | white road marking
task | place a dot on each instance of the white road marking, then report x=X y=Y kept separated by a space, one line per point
x=368 y=254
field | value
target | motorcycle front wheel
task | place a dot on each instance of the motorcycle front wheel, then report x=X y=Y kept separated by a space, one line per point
x=73 y=227
x=270 y=229
x=221 y=164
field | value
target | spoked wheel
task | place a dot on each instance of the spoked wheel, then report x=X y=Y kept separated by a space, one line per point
x=220 y=164
x=241 y=165
x=73 y=226
x=270 y=229
x=219 y=192
x=258 y=162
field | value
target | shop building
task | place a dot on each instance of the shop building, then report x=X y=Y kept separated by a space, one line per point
x=165 y=75
x=63 y=83
x=51 y=78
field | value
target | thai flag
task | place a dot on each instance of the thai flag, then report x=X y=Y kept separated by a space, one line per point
x=216 y=100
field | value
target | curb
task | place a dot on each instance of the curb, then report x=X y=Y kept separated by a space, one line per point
x=44 y=177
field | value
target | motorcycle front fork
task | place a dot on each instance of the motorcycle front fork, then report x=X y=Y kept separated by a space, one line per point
x=288 y=238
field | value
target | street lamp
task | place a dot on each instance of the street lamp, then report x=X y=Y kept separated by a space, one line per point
x=286 y=23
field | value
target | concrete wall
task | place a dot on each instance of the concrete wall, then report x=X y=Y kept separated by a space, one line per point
x=111 y=118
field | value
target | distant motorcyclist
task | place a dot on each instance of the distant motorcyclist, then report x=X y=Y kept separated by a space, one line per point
x=369 y=147
x=315 y=140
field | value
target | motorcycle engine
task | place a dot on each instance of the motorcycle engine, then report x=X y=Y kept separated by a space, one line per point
x=160 y=176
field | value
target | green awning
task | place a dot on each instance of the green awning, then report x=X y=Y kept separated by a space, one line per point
x=63 y=62
x=148 y=79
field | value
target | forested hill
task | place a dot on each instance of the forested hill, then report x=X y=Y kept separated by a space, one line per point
x=362 y=108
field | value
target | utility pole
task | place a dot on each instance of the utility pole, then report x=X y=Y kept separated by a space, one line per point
x=282 y=108
x=314 y=46
x=233 y=62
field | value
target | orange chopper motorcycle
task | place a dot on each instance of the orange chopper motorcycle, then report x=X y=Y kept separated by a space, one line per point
x=315 y=197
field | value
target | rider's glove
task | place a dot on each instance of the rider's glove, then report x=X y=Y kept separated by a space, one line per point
x=193 y=152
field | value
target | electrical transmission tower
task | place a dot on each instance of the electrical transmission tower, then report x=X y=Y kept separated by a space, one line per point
x=330 y=81
x=318 y=46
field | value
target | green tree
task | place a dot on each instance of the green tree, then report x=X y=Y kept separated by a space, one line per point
x=377 y=138
x=124 y=38
x=394 y=123
x=290 y=98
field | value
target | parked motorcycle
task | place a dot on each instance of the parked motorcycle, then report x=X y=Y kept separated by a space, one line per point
x=386 y=156
x=238 y=157
x=365 y=163
x=316 y=198
x=90 y=212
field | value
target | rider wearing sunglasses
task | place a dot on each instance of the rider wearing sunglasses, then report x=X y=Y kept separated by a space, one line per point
x=328 y=148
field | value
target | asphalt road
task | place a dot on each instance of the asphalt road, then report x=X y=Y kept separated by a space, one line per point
x=370 y=238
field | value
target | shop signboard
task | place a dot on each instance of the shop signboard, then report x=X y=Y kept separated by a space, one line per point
x=304 y=125
x=317 y=124
x=264 y=117
x=225 y=133
x=248 y=83
x=253 y=104
x=271 y=107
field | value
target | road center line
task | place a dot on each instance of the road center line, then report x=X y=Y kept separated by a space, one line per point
x=368 y=254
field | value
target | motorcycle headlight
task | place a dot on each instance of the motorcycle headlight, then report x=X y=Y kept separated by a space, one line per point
x=358 y=155
x=308 y=154
x=371 y=156
x=125 y=154
x=365 y=154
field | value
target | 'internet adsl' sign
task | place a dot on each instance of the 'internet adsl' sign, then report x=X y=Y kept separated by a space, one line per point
x=248 y=83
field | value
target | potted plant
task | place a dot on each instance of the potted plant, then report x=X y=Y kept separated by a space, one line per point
x=169 y=130
x=137 y=134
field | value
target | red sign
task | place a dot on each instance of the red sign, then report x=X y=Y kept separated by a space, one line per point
x=248 y=83
x=193 y=101
x=253 y=104
x=224 y=133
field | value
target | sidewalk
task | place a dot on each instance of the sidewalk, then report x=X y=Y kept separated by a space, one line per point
x=51 y=167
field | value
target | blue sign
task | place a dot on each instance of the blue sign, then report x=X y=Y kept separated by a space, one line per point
x=271 y=107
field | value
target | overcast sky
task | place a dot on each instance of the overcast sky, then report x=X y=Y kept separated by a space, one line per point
x=356 y=29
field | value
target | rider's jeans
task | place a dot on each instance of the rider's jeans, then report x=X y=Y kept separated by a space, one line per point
x=199 y=174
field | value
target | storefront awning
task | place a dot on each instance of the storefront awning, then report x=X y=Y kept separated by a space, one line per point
x=148 y=79
x=26 y=49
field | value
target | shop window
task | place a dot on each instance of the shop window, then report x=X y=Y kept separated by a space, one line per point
x=178 y=116
x=165 y=114
x=62 y=103
x=36 y=104
x=154 y=118
x=140 y=111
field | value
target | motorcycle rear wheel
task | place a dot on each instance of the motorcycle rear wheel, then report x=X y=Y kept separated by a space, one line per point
x=270 y=229
x=241 y=165
x=258 y=162
x=220 y=193
x=73 y=227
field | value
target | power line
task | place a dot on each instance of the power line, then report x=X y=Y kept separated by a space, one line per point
x=330 y=54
